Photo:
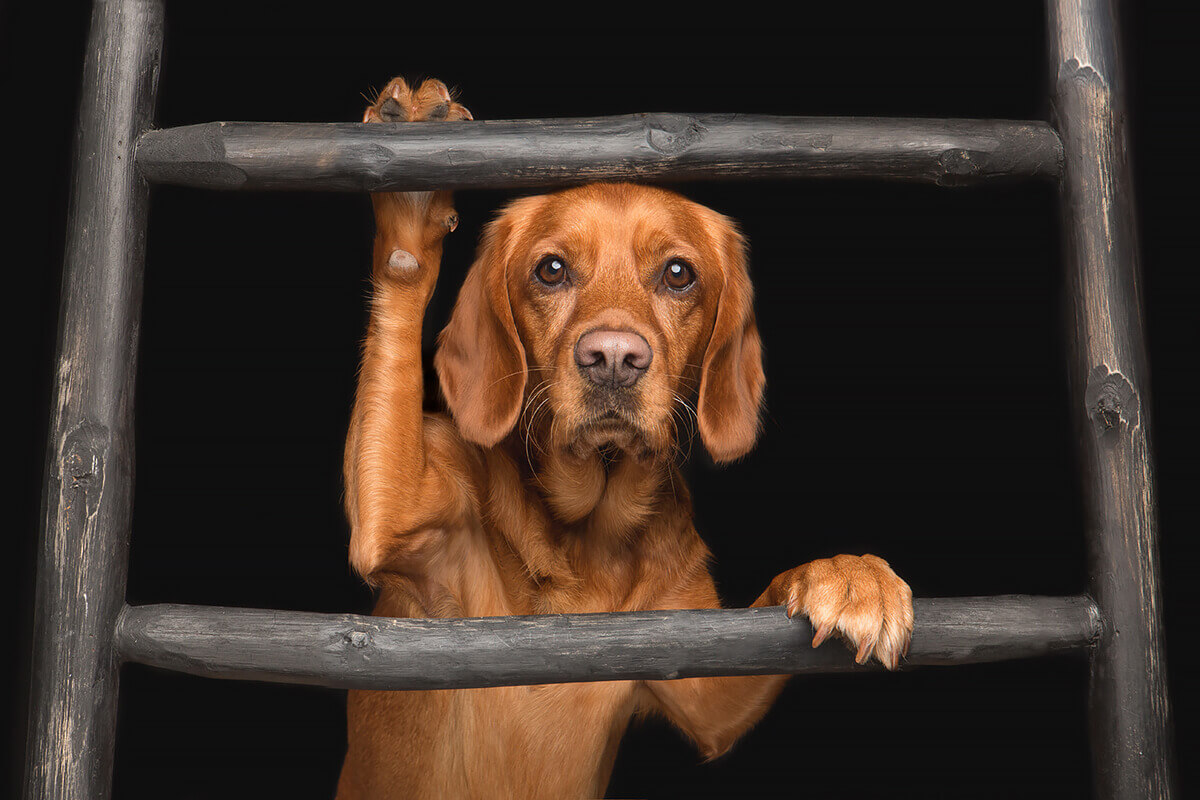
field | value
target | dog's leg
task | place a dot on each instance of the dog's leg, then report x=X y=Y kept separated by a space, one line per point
x=401 y=483
x=857 y=598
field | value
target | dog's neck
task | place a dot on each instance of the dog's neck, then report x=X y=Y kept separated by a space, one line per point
x=608 y=494
x=556 y=510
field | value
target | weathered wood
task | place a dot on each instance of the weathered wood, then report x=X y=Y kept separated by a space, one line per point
x=521 y=153
x=87 y=504
x=1130 y=718
x=359 y=652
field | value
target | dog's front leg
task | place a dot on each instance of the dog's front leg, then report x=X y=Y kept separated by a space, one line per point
x=856 y=598
x=402 y=484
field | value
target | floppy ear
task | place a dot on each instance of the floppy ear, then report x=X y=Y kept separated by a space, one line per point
x=480 y=361
x=732 y=379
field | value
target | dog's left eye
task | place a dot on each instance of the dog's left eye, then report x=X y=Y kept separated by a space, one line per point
x=678 y=274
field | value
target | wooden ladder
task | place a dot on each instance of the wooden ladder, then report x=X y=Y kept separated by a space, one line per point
x=84 y=630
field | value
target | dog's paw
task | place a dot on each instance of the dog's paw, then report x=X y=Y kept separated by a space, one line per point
x=857 y=598
x=400 y=103
x=410 y=225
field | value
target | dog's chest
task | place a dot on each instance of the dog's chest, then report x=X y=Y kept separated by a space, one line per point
x=564 y=734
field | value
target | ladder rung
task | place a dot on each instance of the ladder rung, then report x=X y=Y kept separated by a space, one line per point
x=520 y=153
x=362 y=652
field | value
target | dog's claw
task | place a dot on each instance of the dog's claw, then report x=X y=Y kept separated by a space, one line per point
x=859 y=598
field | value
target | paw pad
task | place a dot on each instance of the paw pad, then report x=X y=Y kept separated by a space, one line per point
x=403 y=261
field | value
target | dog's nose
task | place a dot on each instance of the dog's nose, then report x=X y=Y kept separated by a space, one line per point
x=613 y=358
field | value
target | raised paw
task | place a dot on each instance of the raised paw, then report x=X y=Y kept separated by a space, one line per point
x=409 y=226
x=857 y=598
x=400 y=103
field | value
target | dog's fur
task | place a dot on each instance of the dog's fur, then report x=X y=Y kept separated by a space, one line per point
x=544 y=492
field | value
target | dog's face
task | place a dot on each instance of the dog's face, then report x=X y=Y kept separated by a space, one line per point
x=594 y=317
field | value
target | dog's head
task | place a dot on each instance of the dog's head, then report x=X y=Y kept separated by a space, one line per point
x=594 y=316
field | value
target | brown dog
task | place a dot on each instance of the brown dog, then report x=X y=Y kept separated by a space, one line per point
x=591 y=321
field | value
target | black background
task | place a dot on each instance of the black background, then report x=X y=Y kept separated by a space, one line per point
x=916 y=381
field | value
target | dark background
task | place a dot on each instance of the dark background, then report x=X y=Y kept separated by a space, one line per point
x=916 y=379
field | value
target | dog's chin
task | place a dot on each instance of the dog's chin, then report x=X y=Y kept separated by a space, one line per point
x=612 y=433
x=608 y=433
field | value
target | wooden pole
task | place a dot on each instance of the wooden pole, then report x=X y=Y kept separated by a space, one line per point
x=357 y=652
x=87 y=504
x=519 y=153
x=1130 y=718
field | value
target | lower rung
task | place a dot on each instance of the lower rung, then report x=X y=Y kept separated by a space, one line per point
x=361 y=652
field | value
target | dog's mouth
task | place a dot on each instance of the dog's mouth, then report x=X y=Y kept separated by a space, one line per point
x=619 y=423
x=610 y=428
x=591 y=419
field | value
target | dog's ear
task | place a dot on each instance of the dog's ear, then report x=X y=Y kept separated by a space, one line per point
x=480 y=361
x=732 y=378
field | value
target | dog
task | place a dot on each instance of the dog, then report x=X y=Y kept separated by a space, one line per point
x=593 y=321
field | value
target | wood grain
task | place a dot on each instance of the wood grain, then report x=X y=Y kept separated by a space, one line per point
x=88 y=500
x=520 y=153
x=1129 y=710
x=359 y=652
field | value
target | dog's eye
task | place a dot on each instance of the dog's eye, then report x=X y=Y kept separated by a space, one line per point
x=678 y=274
x=551 y=270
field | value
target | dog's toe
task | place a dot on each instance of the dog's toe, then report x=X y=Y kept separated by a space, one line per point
x=430 y=101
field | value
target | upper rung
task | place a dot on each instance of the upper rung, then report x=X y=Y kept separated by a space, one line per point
x=520 y=153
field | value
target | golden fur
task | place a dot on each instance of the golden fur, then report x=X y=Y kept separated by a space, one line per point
x=540 y=494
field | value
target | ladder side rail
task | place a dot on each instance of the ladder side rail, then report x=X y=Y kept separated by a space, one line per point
x=1128 y=705
x=88 y=491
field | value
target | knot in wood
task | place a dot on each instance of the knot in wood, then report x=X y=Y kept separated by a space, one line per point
x=960 y=161
x=82 y=464
x=671 y=134
x=1085 y=74
x=1111 y=401
x=358 y=639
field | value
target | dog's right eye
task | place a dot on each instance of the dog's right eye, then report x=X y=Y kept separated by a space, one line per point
x=551 y=270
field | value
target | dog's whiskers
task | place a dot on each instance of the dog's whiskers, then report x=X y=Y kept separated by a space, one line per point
x=517 y=372
x=687 y=415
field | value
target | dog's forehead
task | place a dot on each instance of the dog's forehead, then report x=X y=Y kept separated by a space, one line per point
x=620 y=213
